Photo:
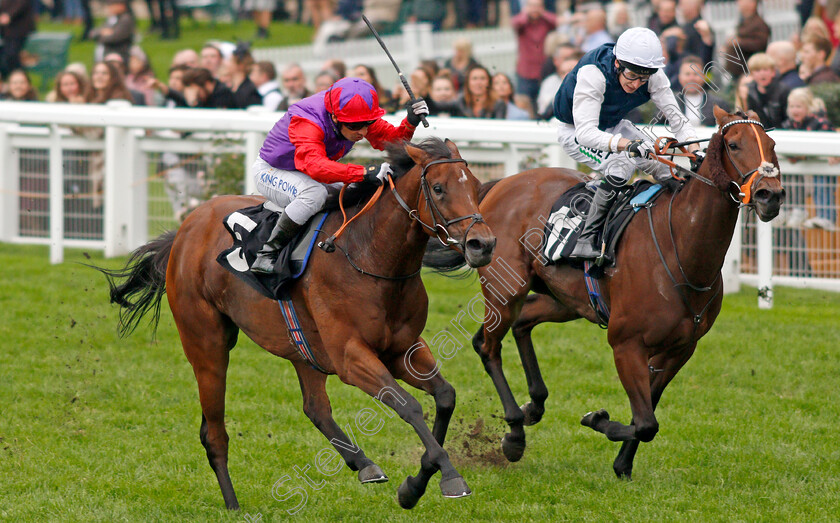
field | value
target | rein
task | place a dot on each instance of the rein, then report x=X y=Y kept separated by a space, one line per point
x=748 y=180
x=438 y=227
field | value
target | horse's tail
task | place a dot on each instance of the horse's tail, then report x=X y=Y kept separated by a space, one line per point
x=143 y=283
x=443 y=259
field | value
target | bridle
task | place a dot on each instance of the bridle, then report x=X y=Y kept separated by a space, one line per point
x=743 y=189
x=439 y=222
x=748 y=180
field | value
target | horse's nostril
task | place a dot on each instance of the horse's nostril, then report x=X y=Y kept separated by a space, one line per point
x=763 y=195
x=475 y=245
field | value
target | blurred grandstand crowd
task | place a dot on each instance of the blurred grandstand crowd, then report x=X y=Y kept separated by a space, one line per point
x=779 y=82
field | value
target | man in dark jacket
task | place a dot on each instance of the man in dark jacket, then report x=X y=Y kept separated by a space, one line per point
x=751 y=35
x=814 y=52
x=766 y=95
x=203 y=91
x=17 y=21
x=117 y=33
x=699 y=37
x=694 y=96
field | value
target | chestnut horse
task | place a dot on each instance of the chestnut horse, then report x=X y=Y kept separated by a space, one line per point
x=664 y=291
x=361 y=314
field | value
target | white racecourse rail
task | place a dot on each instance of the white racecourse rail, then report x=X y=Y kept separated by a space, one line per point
x=40 y=159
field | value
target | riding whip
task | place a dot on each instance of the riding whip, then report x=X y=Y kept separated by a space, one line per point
x=401 y=75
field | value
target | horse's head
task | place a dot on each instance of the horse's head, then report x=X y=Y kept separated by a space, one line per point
x=448 y=201
x=741 y=159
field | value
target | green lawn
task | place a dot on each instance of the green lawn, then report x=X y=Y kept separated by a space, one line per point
x=193 y=35
x=97 y=428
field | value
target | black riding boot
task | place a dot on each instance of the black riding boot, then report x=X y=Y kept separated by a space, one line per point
x=585 y=247
x=283 y=232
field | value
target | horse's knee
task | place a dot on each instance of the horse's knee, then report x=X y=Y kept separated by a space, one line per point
x=646 y=431
x=445 y=397
x=478 y=341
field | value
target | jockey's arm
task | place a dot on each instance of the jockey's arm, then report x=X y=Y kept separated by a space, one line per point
x=664 y=99
x=381 y=133
x=311 y=155
x=586 y=112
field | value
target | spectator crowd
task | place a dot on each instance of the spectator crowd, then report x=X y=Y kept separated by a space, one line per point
x=781 y=81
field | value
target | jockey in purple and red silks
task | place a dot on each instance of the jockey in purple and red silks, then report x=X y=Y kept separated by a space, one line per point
x=297 y=166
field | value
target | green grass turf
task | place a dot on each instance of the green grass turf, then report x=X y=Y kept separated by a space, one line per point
x=98 y=428
x=193 y=36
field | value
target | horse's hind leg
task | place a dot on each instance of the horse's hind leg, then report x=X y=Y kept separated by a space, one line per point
x=207 y=338
x=538 y=308
x=665 y=366
x=419 y=369
x=316 y=405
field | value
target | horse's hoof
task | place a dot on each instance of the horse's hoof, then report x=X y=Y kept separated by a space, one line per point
x=624 y=474
x=454 y=487
x=513 y=448
x=372 y=474
x=532 y=415
x=592 y=418
x=409 y=494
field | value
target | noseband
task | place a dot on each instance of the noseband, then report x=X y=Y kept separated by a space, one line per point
x=753 y=177
x=439 y=222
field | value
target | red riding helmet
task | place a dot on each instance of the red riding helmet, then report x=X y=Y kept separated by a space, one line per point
x=353 y=100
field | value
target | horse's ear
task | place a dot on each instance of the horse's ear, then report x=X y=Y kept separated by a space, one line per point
x=753 y=116
x=452 y=147
x=417 y=154
x=721 y=116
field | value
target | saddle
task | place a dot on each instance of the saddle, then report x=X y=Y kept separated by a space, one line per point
x=250 y=228
x=568 y=215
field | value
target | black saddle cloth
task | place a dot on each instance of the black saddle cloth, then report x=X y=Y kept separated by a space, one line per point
x=250 y=228
x=568 y=215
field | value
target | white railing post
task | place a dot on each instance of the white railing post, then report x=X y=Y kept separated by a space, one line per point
x=119 y=209
x=9 y=186
x=138 y=227
x=425 y=42
x=511 y=159
x=764 y=253
x=56 y=197
x=731 y=271
x=411 y=47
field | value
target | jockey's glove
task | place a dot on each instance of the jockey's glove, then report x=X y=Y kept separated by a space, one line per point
x=641 y=148
x=699 y=156
x=377 y=174
x=416 y=108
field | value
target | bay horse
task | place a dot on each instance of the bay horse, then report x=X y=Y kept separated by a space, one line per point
x=664 y=291
x=360 y=315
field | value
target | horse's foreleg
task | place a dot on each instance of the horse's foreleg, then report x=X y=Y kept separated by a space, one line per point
x=631 y=362
x=538 y=309
x=363 y=369
x=316 y=405
x=665 y=367
x=419 y=369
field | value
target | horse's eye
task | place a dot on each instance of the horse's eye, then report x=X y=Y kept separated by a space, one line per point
x=437 y=188
x=733 y=146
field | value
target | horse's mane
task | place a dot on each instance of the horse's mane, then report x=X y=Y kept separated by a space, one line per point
x=401 y=162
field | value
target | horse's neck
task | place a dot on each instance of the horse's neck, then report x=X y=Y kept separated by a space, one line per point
x=394 y=241
x=703 y=221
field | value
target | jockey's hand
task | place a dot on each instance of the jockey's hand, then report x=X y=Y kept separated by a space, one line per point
x=377 y=174
x=640 y=148
x=699 y=156
x=671 y=184
x=416 y=108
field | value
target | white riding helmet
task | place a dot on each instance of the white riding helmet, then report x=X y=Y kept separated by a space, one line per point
x=640 y=50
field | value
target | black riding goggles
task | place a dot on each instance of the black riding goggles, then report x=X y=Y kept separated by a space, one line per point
x=358 y=126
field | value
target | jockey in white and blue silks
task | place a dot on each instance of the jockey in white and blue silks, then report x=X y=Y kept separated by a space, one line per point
x=298 y=163
x=607 y=83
